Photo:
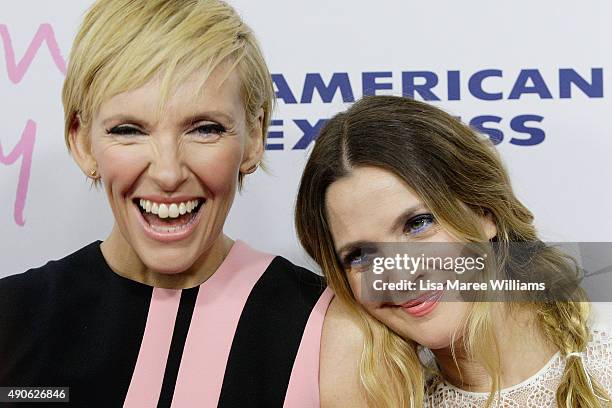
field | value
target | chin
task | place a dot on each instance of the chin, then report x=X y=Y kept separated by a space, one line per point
x=442 y=342
x=169 y=261
x=429 y=337
x=433 y=331
x=435 y=335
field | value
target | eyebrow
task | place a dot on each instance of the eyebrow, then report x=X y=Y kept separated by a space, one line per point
x=214 y=116
x=121 y=118
x=399 y=221
x=208 y=116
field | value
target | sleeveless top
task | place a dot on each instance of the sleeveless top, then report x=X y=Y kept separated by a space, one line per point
x=538 y=391
x=247 y=337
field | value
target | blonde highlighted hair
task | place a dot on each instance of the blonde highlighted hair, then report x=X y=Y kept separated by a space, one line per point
x=123 y=44
x=459 y=177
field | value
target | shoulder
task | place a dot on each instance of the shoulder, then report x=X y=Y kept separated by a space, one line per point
x=599 y=355
x=275 y=272
x=284 y=279
x=299 y=274
x=342 y=343
x=54 y=269
x=600 y=346
x=33 y=301
x=37 y=285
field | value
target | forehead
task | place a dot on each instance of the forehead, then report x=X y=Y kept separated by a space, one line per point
x=220 y=92
x=366 y=205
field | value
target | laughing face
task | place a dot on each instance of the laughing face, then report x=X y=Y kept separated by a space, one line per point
x=170 y=177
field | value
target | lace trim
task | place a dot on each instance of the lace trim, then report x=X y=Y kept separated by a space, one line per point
x=540 y=389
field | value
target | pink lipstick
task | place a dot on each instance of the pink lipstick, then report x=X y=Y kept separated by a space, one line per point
x=423 y=305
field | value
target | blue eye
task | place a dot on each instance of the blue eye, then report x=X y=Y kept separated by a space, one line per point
x=419 y=224
x=358 y=259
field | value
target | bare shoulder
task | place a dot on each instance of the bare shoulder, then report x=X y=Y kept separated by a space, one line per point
x=341 y=347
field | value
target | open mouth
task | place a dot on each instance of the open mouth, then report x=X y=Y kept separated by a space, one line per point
x=169 y=218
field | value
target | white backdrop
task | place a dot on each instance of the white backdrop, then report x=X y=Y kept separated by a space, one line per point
x=530 y=50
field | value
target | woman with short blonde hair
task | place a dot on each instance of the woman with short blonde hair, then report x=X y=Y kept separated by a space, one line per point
x=167 y=105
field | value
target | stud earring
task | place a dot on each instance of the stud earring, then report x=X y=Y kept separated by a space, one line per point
x=252 y=169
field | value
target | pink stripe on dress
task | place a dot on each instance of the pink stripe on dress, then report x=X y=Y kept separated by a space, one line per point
x=148 y=375
x=217 y=310
x=303 y=389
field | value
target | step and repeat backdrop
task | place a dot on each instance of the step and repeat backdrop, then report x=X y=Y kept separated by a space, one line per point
x=532 y=76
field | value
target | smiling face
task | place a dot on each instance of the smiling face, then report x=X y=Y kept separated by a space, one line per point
x=171 y=178
x=370 y=206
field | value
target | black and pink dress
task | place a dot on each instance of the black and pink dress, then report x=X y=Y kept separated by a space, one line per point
x=247 y=337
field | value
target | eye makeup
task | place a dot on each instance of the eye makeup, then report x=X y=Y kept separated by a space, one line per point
x=124 y=130
x=201 y=130
x=419 y=224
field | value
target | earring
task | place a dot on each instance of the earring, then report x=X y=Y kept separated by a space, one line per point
x=93 y=173
x=252 y=169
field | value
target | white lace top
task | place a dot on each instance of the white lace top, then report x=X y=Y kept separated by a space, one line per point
x=538 y=391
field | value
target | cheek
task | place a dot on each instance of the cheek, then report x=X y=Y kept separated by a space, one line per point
x=355 y=283
x=217 y=170
x=364 y=299
x=448 y=325
x=120 y=166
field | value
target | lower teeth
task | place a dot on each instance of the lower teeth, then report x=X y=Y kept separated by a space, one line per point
x=159 y=228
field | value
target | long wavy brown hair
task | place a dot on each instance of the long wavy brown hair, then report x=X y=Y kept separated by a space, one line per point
x=459 y=176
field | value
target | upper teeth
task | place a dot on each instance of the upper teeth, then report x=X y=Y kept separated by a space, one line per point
x=163 y=210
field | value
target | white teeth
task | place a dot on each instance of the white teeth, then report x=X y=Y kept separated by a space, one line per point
x=163 y=211
x=173 y=210
x=168 y=229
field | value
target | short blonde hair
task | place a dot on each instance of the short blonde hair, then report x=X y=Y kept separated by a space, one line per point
x=123 y=44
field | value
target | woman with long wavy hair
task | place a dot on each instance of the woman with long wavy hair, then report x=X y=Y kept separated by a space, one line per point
x=392 y=169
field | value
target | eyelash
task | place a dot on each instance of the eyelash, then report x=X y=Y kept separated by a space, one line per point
x=360 y=257
x=123 y=131
x=210 y=128
x=350 y=260
x=419 y=218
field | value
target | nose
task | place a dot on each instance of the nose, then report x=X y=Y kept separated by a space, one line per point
x=167 y=168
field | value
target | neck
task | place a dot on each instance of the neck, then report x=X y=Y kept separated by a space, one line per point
x=124 y=261
x=522 y=352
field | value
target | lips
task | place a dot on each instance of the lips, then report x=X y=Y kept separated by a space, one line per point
x=423 y=305
x=169 y=229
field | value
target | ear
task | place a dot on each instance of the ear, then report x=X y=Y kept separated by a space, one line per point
x=488 y=224
x=80 y=147
x=254 y=147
